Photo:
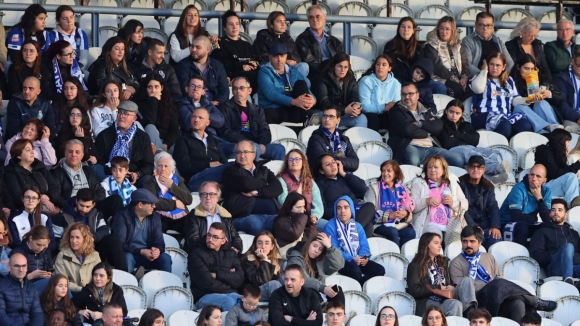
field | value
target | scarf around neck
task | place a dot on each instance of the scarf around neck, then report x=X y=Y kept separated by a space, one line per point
x=439 y=215
x=337 y=146
x=75 y=71
x=347 y=236
x=166 y=194
x=294 y=184
x=389 y=201
x=124 y=191
x=437 y=276
x=121 y=147
x=476 y=270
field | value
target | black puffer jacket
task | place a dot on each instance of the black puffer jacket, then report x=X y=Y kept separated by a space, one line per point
x=66 y=186
x=329 y=93
x=16 y=178
x=100 y=75
x=310 y=52
x=483 y=208
x=401 y=67
x=265 y=37
x=86 y=300
x=452 y=136
x=41 y=261
x=231 y=130
x=319 y=145
x=20 y=302
x=194 y=156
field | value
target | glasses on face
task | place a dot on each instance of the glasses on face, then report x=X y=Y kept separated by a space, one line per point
x=476 y=167
x=19 y=266
x=76 y=115
x=208 y=194
x=125 y=113
x=295 y=159
x=485 y=26
x=30 y=198
x=244 y=152
x=212 y=236
x=241 y=88
x=328 y=116
x=408 y=94
x=249 y=304
x=194 y=86
x=387 y=317
x=29 y=50
x=68 y=55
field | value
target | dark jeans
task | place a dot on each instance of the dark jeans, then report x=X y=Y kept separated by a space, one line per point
x=163 y=262
x=110 y=206
x=377 y=121
x=209 y=174
x=515 y=308
x=519 y=232
x=364 y=216
x=400 y=237
x=108 y=249
x=478 y=120
x=488 y=240
x=562 y=263
x=290 y=113
x=362 y=273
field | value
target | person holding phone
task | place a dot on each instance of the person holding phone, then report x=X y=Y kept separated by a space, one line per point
x=349 y=237
x=35 y=249
x=35 y=130
x=104 y=112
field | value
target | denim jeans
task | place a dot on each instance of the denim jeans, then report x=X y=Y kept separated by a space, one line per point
x=162 y=263
x=223 y=300
x=268 y=288
x=415 y=155
x=348 y=121
x=492 y=157
x=362 y=273
x=273 y=151
x=321 y=224
x=562 y=263
x=565 y=186
x=400 y=237
x=209 y=174
x=437 y=87
x=540 y=117
x=488 y=240
x=505 y=128
x=254 y=223
x=153 y=133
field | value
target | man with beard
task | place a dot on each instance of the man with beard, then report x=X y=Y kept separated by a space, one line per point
x=474 y=271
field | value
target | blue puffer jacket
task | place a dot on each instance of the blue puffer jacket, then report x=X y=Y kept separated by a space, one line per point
x=331 y=230
x=271 y=94
x=19 y=303
x=41 y=261
x=124 y=226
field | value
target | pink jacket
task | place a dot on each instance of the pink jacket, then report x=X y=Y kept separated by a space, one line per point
x=43 y=150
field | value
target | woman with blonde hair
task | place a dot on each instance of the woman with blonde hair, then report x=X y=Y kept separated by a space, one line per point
x=450 y=65
x=523 y=39
x=77 y=256
x=437 y=195
x=262 y=264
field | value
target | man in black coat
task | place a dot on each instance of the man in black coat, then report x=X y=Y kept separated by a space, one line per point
x=328 y=139
x=155 y=63
x=216 y=269
x=413 y=130
x=294 y=304
x=125 y=139
x=200 y=155
x=250 y=191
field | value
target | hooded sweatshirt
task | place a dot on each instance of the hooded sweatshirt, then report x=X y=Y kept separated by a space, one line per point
x=237 y=315
x=549 y=239
x=374 y=94
x=425 y=93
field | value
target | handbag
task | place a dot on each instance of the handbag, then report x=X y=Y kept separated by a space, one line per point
x=454 y=226
x=442 y=293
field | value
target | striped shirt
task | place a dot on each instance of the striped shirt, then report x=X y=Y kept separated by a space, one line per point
x=496 y=98
x=78 y=39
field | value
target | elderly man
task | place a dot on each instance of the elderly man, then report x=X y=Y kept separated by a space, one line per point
x=125 y=139
x=28 y=105
x=172 y=192
x=155 y=63
x=284 y=92
x=238 y=111
x=19 y=302
x=559 y=53
x=201 y=64
x=250 y=191
x=483 y=42
x=567 y=82
x=315 y=45
x=194 y=99
x=207 y=212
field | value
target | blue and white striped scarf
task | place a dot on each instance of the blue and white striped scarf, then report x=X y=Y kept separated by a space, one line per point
x=475 y=269
x=121 y=147
x=347 y=237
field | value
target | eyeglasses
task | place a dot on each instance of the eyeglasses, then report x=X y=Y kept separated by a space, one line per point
x=208 y=194
x=30 y=198
x=387 y=317
x=485 y=26
x=241 y=88
x=295 y=159
x=125 y=113
x=76 y=115
x=194 y=86
x=213 y=236
x=328 y=116
x=68 y=55
x=250 y=305
x=408 y=94
x=244 y=152
x=475 y=167
x=19 y=266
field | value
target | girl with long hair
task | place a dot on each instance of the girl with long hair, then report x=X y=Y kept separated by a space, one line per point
x=77 y=256
x=104 y=110
x=292 y=223
x=77 y=126
x=458 y=136
x=73 y=95
x=434 y=316
x=35 y=248
x=338 y=88
x=55 y=297
x=30 y=27
x=132 y=34
x=210 y=315
x=152 y=317
x=100 y=291
x=60 y=64
x=66 y=30
x=262 y=264
x=379 y=90
x=28 y=63
x=436 y=194
x=428 y=278
x=35 y=131
x=404 y=48
x=276 y=32
x=188 y=28
x=394 y=204
x=112 y=66
x=387 y=316
x=494 y=94
x=451 y=67
x=296 y=176
x=158 y=114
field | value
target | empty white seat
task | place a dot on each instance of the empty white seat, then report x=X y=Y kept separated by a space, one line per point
x=550 y=322
x=410 y=172
x=554 y=290
x=514 y=15
x=156 y=33
x=223 y=5
x=567 y=311
x=123 y=278
x=136 y=313
x=145 y=4
x=290 y=144
x=398 y=10
x=271 y=5
x=378 y=285
x=504 y=250
x=354 y=8
x=383 y=33
x=358 y=135
x=402 y=302
x=441 y=102
x=171 y=299
x=457 y=321
x=411 y=320
x=247 y=240
x=345 y=282
x=280 y=132
x=362 y=320
x=410 y=248
x=395 y=265
x=337 y=30
x=156 y=280
x=275 y=166
x=380 y=245
x=178 y=263
x=488 y=138
x=296 y=28
x=181 y=4
x=574 y=218
x=305 y=134
x=502 y=191
x=170 y=241
x=550 y=17
x=457 y=171
x=374 y=152
x=364 y=47
x=367 y=171
x=500 y=321
x=522 y=268
x=183 y=318
x=105 y=33
x=524 y=142
x=94 y=53
x=135 y=297
x=302 y=6
x=169 y=24
x=357 y=301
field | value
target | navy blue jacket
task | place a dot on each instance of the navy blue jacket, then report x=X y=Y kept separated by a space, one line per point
x=319 y=145
x=19 y=303
x=483 y=208
x=41 y=261
x=231 y=130
x=124 y=226
x=19 y=111
x=185 y=108
x=216 y=80
x=568 y=106
x=332 y=189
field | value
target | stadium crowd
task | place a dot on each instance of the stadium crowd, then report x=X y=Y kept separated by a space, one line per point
x=103 y=157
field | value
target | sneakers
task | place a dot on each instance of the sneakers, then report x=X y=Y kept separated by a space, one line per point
x=139 y=273
x=555 y=126
x=499 y=178
x=314 y=120
x=575 y=202
x=545 y=305
x=569 y=280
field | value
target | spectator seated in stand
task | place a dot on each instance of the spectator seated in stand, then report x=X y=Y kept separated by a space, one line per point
x=559 y=53
x=35 y=248
x=34 y=130
x=246 y=310
x=154 y=63
x=195 y=98
x=275 y=32
x=262 y=264
x=118 y=183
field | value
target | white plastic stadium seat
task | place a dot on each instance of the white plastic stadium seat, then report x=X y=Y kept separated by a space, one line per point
x=574 y=218
x=358 y=135
x=529 y=287
x=170 y=241
x=410 y=248
x=410 y=172
x=398 y=10
x=345 y=282
x=380 y=245
x=554 y=290
x=521 y=268
x=223 y=5
x=305 y=134
x=136 y=313
x=195 y=201
x=295 y=29
x=104 y=20
x=412 y=320
x=378 y=285
x=358 y=63
x=550 y=322
x=145 y=4
x=567 y=311
x=441 y=102
x=500 y=321
x=364 y=47
x=135 y=297
x=337 y=30
x=432 y=12
x=173 y=298
x=402 y=302
x=156 y=280
x=275 y=166
x=271 y=5
x=181 y=4
x=457 y=171
x=466 y=12
x=183 y=318
x=354 y=8
x=395 y=265
x=169 y=24
x=105 y=33
x=123 y=278
x=367 y=171
x=374 y=152
x=525 y=142
x=156 y=33
x=247 y=240
x=301 y=7
x=357 y=301
x=290 y=144
x=280 y=132
x=488 y=138
x=10 y=17
x=457 y=321
x=94 y=53
x=504 y=250
x=362 y=320
x=383 y=33
x=576 y=323
x=179 y=263
x=514 y=15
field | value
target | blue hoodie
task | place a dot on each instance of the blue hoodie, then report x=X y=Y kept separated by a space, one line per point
x=331 y=230
x=374 y=94
x=271 y=94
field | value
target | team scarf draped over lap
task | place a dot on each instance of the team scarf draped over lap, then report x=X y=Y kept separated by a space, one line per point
x=476 y=270
x=75 y=71
x=121 y=147
x=336 y=145
x=166 y=194
x=437 y=276
x=348 y=238
x=389 y=201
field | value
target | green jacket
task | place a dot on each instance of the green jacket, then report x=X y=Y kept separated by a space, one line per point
x=558 y=56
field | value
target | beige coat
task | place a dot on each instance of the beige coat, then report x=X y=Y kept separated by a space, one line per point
x=459 y=268
x=78 y=274
x=3 y=49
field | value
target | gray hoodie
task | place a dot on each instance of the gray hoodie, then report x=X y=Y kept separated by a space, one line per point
x=238 y=316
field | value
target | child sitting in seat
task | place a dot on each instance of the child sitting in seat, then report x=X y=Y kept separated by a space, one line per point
x=119 y=183
x=246 y=311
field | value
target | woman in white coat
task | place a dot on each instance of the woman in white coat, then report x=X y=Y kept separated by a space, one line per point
x=437 y=195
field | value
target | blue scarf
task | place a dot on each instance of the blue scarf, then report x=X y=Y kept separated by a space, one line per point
x=75 y=71
x=338 y=147
x=347 y=237
x=475 y=269
x=121 y=147
x=388 y=201
x=437 y=278
x=124 y=191
x=494 y=118
x=176 y=213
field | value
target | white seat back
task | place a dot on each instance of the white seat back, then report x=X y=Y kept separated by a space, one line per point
x=359 y=135
x=410 y=320
x=183 y=318
x=136 y=313
x=170 y=241
x=247 y=240
x=178 y=263
x=457 y=171
x=374 y=152
x=362 y=320
x=271 y=5
x=550 y=322
x=514 y=15
x=395 y=265
x=364 y=47
x=290 y=144
x=367 y=171
x=488 y=138
x=181 y=4
x=305 y=134
x=354 y=8
x=148 y=22
x=173 y=298
x=554 y=290
x=457 y=321
x=295 y=29
x=156 y=280
x=523 y=141
x=223 y=5
x=402 y=302
x=574 y=218
x=454 y=249
x=567 y=310
x=123 y=278
x=500 y=321
x=441 y=102
x=275 y=166
x=378 y=285
x=105 y=33
x=302 y=6
x=357 y=301
x=398 y=10
x=504 y=250
x=358 y=63
x=410 y=248
x=380 y=245
x=522 y=268
x=156 y=32
x=502 y=191
x=135 y=297
x=345 y=282
x=281 y=132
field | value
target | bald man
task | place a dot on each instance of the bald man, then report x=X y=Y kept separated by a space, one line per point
x=27 y=105
x=519 y=211
x=201 y=64
x=19 y=302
